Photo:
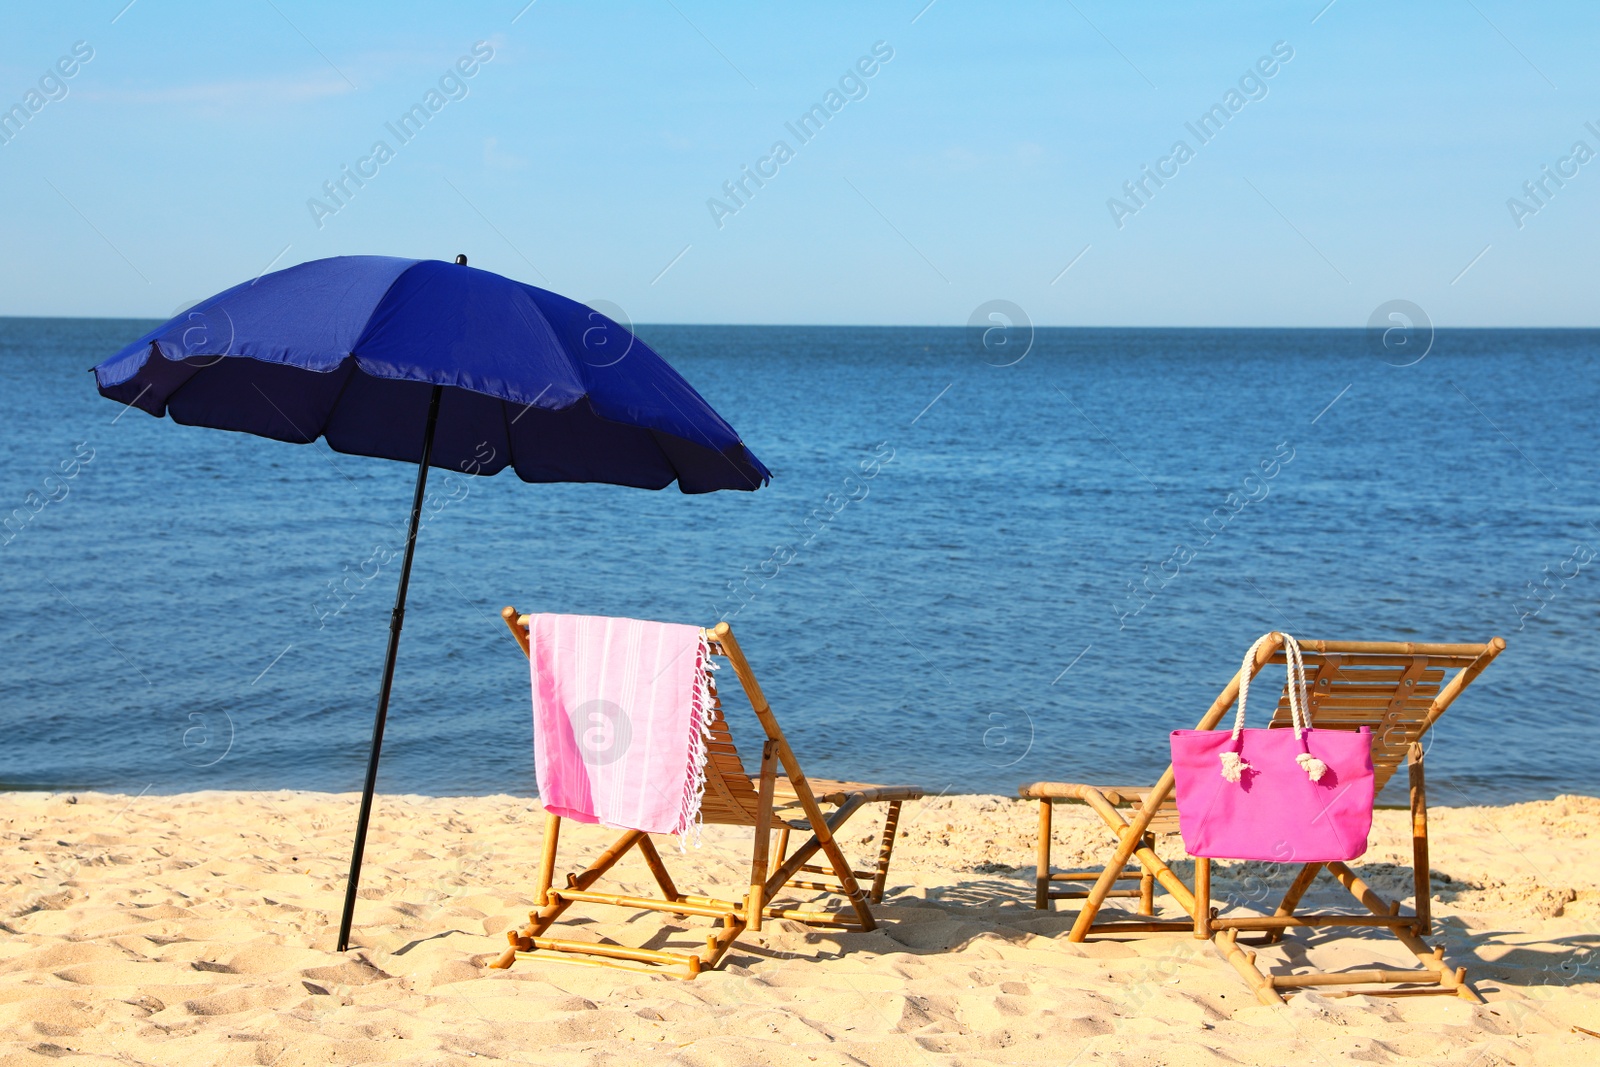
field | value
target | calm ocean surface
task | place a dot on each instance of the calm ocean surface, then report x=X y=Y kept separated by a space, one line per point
x=962 y=619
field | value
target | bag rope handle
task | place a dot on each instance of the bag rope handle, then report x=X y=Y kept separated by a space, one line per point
x=1233 y=764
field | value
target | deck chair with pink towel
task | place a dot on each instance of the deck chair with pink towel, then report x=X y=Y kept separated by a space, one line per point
x=630 y=733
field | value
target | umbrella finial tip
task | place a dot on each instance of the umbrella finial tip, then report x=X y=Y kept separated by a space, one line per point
x=461 y=260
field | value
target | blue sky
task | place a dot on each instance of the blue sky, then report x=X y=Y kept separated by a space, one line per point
x=1374 y=165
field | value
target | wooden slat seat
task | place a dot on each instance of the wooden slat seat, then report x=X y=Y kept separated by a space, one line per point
x=832 y=792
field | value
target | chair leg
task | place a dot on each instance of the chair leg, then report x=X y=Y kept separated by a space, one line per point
x=1452 y=978
x=846 y=876
x=782 y=872
x=1226 y=944
x=1130 y=840
x=822 y=840
x=1421 y=872
x=1202 y=898
x=1134 y=840
x=1147 y=882
x=1432 y=959
x=822 y=832
x=1291 y=899
x=1084 y=923
x=780 y=847
x=1363 y=892
x=755 y=893
x=1041 y=899
x=547 y=860
x=539 y=921
x=652 y=859
x=547 y=868
x=717 y=944
x=891 y=823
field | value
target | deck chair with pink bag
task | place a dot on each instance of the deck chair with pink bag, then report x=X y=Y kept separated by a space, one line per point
x=1299 y=792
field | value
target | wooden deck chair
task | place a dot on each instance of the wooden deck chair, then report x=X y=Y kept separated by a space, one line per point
x=1398 y=691
x=731 y=798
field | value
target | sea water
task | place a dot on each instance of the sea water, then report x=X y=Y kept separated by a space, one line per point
x=968 y=572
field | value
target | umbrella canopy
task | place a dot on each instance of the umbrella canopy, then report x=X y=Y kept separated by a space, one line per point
x=436 y=364
x=347 y=349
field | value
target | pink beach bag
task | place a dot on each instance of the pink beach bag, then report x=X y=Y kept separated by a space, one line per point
x=1285 y=796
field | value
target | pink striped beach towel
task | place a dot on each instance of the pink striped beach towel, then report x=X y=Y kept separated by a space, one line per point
x=621 y=712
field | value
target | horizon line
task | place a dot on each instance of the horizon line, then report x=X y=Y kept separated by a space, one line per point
x=881 y=326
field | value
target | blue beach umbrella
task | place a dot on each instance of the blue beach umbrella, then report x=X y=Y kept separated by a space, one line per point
x=437 y=364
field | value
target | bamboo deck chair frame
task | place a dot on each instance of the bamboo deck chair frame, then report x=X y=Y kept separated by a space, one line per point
x=731 y=798
x=1398 y=690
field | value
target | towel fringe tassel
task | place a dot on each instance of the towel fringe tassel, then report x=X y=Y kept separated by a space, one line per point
x=703 y=712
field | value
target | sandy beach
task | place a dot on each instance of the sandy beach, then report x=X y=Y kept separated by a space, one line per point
x=199 y=928
x=988 y=394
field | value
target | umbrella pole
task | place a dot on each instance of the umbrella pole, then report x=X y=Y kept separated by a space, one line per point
x=396 y=619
